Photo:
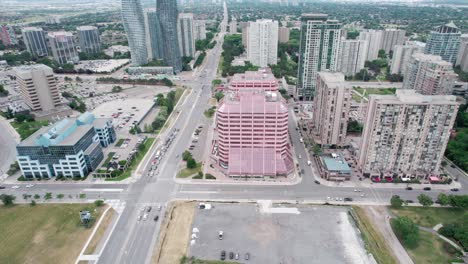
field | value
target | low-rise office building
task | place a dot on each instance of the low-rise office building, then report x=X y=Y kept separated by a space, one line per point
x=68 y=148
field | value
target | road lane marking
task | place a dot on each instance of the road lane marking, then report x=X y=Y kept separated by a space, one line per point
x=198 y=192
x=102 y=190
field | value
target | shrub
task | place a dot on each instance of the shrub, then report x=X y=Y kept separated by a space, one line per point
x=33 y=203
x=210 y=177
x=191 y=163
x=396 y=202
x=7 y=199
x=98 y=203
x=186 y=155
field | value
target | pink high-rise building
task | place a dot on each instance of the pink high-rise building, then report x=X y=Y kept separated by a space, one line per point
x=262 y=79
x=252 y=134
x=7 y=35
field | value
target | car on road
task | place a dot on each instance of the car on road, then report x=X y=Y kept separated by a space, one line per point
x=409 y=188
x=29 y=185
x=236 y=256
x=148 y=209
x=2 y=187
x=145 y=216
x=427 y=188
x=220 y=235
x=348 y=199
x=409 y=201
x=139 y=218
x=247 y=256
x=231 y=255
x=317 y=182
x=159 y=207
x=454 y=189
x=15 y=187
x=156 y=218
x=300 y=157
x=223 y=255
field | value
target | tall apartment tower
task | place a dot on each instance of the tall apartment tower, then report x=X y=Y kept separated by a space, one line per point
x=406 y=133
x=374 y=39
x=462 y=57
x=392 y=37
x=262 y=45
x=332 y=102
x=35 y=41
x=63 y=47
x=283 y=35
x=168 y=18
x=402 y=56
x=233 y=26
x=245 y=34
x=186 y=35
x=352 y=56
x=7 y=35
x=319 y=46
x=154 y=38
x=38 y=87
x=134 y=24
x=430 y=75
x=444 y=41
x=89 y=39
x=199 y=28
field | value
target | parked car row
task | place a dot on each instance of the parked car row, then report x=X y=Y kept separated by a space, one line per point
x=233 y=255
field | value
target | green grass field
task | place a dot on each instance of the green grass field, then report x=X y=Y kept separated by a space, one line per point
x=432 y=249
x=429 y=217
x=184 y=173
x=374 y=241
x=43 y=233
x=26 y=129
x=380 y=91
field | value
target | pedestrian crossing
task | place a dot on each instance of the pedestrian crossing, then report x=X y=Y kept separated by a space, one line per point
x=117 y=205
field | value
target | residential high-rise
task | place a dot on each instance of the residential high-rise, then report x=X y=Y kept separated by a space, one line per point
x=392 y=37
x=35 y=41
x=38 y=87
x=319 y=46
x=252 y=135
x=406 y=134
x=233 y=26
x=444 y=41
x=185 y=35
x=199 y=28
x=154 y=37
x=134 y=24
x=167 y=10
x=283 y=35
x=402 y=56
x=63 y=48
x=429 y=74
x=7 y=35
x=68 y=148
x=332 y=102
x=262 y=45
x=374 y=40
x=462 y=57
x=89 y=39
x=245 y=35
x=352 y=56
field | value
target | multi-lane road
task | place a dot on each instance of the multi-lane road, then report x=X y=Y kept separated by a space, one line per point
x=133 y=240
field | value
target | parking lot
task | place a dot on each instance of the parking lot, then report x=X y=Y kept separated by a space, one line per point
x=318 y=234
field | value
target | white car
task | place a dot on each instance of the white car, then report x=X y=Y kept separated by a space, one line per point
x=29 y=185
x=15 y=187
x=220 y=235
x=145 y=216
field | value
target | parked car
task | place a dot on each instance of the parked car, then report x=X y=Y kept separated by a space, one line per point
x=348 y=199
x=148 y=209
x=231 y=255
x=409 y=188
x=156 y=218
x=236 y=256
x=2 y=187
x=247 y=256
x=427 y=188
x=454 y=189
x=317 y=182
x=223 y=255
x=409 y=201
x=220 y=235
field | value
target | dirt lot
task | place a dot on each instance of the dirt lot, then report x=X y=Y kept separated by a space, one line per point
x=174 y=234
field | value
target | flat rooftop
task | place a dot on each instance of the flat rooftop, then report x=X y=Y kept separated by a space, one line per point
x=410 y=96
x=335 y=164
x=136 y=108
x=262 y=102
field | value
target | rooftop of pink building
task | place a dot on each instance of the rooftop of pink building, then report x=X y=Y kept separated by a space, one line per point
x=261 y=79
x=258 y=103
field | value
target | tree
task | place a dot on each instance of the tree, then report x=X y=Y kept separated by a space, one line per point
x=396 y=202
x=48 y=196
x=382 y=54
x=37 y=196
x=7 y=199
x=60 y=196
x=33 y=203
x=459 y=201
x=425 y=200
x=117 y=89
x=98 y=203
x=354 y=126
x=218 y=96
x=406 y=230
x=186 y=155
x=3 y=92
x=191 y=163
x=442 y=199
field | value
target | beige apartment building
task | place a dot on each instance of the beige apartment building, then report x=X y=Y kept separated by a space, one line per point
x=429 y=74
x=38 y=87
x=331 y=108
x=406 y=134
